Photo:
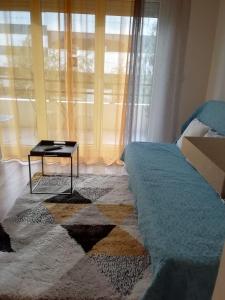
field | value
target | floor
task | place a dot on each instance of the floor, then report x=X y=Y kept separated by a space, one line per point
x=14 y=176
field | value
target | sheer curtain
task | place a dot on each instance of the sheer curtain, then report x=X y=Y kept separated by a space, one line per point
x=154 y=85
x=63 y=75
x=144 y=37
x=17 y=105
x=168 y=76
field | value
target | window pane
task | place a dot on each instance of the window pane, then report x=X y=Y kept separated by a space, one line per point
x=117 y=25
x=82 y=66
x=83 y=23
x=17 y=104
x=147 y=59
x=115 y=62
x=117 y=39
x=15 y=17
x=83 y=42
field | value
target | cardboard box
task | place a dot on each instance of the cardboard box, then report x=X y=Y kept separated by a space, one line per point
x=207 y=155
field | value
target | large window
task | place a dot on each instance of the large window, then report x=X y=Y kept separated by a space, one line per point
x=64 y=71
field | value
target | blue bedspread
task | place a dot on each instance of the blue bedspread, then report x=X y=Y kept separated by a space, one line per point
x=182 y=220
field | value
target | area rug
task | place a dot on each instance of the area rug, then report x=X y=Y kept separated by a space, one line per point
x=80 y=246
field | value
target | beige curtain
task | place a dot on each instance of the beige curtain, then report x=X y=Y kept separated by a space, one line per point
x=63 y=75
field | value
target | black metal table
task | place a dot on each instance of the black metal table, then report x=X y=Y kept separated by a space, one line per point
x=43 y=149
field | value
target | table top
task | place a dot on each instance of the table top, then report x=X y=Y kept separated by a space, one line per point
x=46 y=148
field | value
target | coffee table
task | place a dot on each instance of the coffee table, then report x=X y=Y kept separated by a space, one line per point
x=45 y=148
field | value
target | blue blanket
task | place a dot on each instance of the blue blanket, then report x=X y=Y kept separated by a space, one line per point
x=182 y=220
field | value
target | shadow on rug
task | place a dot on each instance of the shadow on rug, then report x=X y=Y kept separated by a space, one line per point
x=80 y=246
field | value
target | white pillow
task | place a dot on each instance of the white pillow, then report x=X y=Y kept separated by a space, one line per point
x=195 y=128
x=212 y=133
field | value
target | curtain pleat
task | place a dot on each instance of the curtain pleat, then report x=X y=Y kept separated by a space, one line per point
x=141 y=69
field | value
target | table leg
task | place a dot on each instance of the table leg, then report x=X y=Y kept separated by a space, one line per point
x=30 y=174
x=71 y=174
x=42 y=165
x=78 y=161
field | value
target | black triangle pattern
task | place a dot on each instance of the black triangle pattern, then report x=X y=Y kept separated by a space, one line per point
x=5 y=243
x=123 y=271
x=74 y=198
x=88 y=235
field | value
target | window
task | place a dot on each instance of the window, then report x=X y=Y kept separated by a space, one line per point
x=16 y=78
x=64 y=71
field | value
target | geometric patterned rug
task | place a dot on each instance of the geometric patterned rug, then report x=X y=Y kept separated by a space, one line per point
x=80 y=246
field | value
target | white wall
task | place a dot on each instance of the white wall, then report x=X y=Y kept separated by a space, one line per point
x=216 y=84
x=199 y=49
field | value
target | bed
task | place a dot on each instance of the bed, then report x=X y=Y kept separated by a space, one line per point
x=180 y=216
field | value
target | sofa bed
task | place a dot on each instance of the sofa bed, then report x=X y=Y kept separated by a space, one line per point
x=180 y=216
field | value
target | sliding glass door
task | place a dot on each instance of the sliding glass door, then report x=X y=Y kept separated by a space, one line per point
x=63 y=75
